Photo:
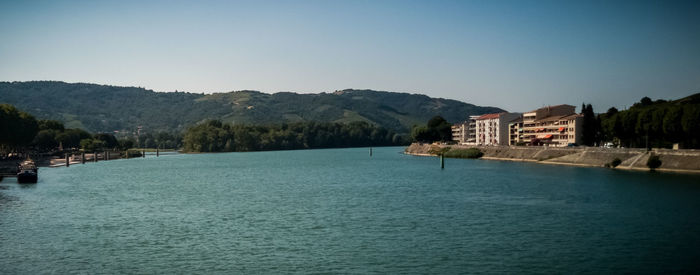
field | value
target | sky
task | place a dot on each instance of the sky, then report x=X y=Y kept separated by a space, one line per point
x=517 y=55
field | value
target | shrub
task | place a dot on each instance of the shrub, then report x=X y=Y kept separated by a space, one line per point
x=614 y=163
x=653 y=162
x=437 y=150
x=471 y=153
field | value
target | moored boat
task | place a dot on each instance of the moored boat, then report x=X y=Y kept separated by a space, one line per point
x=27 y=172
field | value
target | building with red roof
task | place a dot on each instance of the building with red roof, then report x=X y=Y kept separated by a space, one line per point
x=492 y=129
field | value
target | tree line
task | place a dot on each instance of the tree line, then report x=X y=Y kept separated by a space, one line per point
x=215 y=136
x=647 y=123
x=21 y=132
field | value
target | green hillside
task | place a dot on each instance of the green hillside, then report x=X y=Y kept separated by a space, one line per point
x=104 y=108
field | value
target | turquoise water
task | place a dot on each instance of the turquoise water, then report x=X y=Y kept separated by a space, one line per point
x=340 y=211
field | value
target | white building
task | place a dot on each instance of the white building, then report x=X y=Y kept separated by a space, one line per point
x=492 y=129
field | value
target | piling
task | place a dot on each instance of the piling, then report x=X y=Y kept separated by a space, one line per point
x=157 y=152
x=67 y=160
x=82 y=158
x=144 y=153
x=442 y=162
x=94 y=156
x=370 y=151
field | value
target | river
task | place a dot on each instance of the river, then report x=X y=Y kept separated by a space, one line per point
x=342 y=211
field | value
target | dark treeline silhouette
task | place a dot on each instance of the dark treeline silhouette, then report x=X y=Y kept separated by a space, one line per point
x=215 y=136
x=17 y=128
x=647 y=123
x=21 y=132
x=437 y=129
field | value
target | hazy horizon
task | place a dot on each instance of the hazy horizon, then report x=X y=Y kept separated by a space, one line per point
x=515 y=55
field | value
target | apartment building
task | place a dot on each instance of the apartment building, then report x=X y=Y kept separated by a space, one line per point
x=492 y=129
x=471 y=131
x=558 y=125
x=459 y=132
x=465 y=132
x=515 y=132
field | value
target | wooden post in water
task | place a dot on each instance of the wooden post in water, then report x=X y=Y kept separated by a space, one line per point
x=442 y=162
x=94 y=156
x=67 y=160
x=82 y=158
x=157 y=151
x=144 y=153
x=370 y=151
x=127 y=154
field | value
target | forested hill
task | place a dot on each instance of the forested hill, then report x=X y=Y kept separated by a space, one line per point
x=103 y=108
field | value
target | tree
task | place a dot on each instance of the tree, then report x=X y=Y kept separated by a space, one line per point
x=126 y=143
x=45 y=139
x=214 y=136
x=91 y=144
x=109 y=140
x=672 y=126
x=663 y=122
x=70 y=138
x=421 y=134
x=690 y=122
x=590 y=126
x=17 y=128
x=46 y=124
x=439 y=129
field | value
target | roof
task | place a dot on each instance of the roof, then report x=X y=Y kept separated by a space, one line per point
x=553 y=106
x=490 y=116
x=571 y=116
x=556 y=118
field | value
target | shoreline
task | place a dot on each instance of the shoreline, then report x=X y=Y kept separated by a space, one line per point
x=632 y=159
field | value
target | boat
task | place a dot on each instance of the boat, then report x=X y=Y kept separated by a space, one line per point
x=27 y=172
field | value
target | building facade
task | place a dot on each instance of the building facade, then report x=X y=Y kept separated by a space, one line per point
x=492 y=129
x=459 y=132
x=464 y=133
x=552 y=125
x=515 y=132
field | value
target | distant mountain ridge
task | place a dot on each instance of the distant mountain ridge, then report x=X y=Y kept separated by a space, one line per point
x=104 y=108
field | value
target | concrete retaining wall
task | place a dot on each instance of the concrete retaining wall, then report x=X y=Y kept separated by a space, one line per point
x=686 y=161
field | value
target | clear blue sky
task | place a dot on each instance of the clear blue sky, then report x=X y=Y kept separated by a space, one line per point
x=517 y=55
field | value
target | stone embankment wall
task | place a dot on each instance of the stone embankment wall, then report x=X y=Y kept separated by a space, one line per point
x=633 y=159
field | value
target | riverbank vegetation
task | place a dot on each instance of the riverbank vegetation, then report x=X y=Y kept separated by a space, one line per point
x=22 y=133
x=437 y=129
x=658 y=124
x=215 y=136
x=470 y=153
x=450 y=152
x=17 y=128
